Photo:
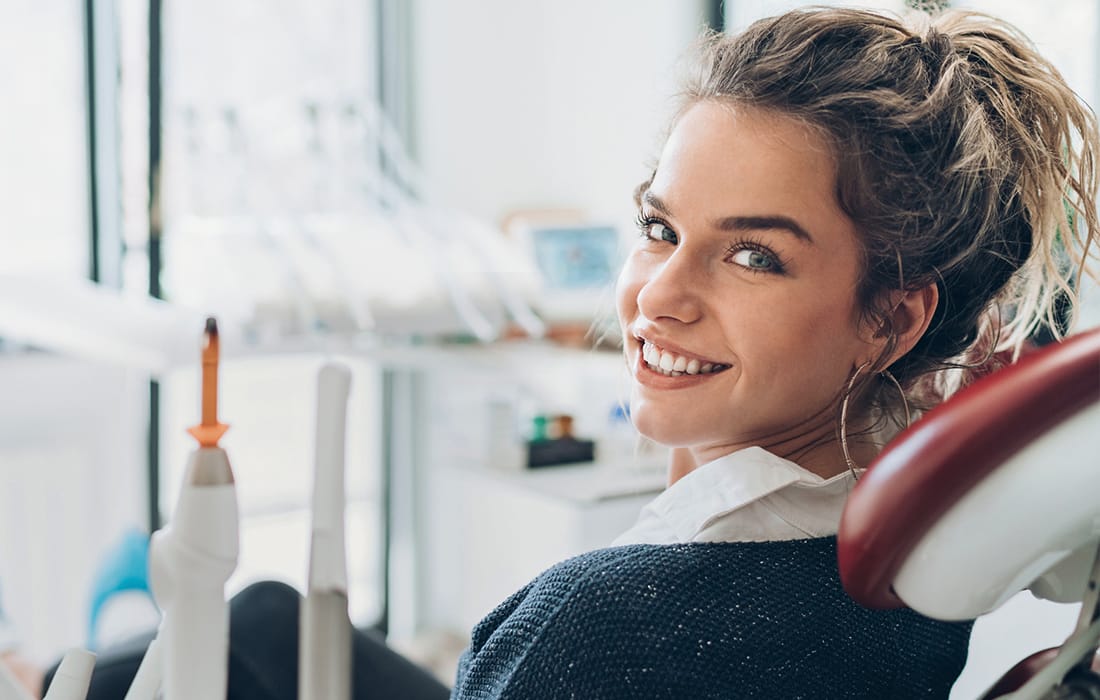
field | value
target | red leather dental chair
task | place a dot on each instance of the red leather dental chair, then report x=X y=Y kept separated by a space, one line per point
x=993 y=492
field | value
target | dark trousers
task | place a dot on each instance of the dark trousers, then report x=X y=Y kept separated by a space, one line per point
x=263 y=656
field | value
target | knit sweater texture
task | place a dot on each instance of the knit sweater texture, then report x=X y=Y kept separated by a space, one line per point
x=705 y=620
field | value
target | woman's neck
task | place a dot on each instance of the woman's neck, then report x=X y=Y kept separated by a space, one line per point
x=818 y=451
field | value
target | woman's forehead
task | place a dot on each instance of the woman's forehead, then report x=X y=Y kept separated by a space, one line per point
x=722 y=160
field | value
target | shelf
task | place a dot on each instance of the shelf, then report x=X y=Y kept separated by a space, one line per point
x=587 y=483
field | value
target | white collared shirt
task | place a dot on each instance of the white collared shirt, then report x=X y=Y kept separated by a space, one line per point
x=747 y=496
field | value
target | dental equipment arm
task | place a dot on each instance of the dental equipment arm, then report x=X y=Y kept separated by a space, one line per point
x=325 y=640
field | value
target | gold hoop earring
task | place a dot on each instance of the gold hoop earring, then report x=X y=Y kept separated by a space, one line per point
x=904 y=399
x=844 y=420
x=844 y=413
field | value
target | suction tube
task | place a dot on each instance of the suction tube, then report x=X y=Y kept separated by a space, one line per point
x=325 y=644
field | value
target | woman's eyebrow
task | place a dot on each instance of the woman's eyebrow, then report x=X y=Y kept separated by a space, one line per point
x=656 y=202
x=741 y=223
x=751 y=223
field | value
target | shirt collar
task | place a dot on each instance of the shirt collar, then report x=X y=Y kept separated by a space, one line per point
x=718 y=488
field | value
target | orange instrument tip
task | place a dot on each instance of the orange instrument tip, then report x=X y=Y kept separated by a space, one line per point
x=208 y=435
x=209 y=431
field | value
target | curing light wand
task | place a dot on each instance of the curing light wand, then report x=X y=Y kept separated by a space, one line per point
x=191 y=559
x=324 y=651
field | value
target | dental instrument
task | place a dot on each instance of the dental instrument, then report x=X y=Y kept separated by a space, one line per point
x=193 y=556
x=325 y=641
x=147 y=680
x=73 y=676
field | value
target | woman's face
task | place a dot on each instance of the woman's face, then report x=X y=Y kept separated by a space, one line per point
x=738 y=302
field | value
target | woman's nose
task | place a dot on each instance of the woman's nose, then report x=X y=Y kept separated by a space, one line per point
x=673 y=289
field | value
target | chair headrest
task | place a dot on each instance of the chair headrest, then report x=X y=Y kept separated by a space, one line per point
x=956 y=457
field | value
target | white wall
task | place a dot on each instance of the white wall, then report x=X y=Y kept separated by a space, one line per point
x=545 y=104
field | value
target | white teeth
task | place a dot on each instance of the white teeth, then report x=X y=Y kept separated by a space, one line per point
x=667 y=361
x=675 y=365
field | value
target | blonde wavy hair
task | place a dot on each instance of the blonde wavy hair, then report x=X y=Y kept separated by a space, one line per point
x=962 y=156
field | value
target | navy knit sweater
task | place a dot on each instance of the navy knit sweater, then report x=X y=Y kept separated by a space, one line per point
x=705 y=620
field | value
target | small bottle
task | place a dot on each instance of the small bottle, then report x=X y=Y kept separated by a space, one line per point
x=565 y=426
x=540 y=428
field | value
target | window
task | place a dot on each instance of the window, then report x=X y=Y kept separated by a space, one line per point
x=43 y=142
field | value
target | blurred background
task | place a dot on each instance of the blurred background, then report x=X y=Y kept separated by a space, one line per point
x=436 y=193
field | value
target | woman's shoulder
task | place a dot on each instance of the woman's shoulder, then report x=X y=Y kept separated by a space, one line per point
x=729 y=613
x=701 y=563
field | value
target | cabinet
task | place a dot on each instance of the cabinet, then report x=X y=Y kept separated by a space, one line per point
x=492 y=531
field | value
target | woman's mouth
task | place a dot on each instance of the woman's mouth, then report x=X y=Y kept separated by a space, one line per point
x=671 y=364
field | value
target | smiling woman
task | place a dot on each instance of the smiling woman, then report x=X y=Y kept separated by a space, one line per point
x=849 y=212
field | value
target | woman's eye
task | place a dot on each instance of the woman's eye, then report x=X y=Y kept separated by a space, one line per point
x=755 y=260
x=656 y=230
x=660 y=232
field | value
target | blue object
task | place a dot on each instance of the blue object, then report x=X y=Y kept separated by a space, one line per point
x=577 y=257
x=126 y=568
x=620 y=413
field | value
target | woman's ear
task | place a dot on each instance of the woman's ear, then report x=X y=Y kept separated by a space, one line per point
x=912 y=313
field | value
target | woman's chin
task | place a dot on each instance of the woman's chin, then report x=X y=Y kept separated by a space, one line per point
x=662 y=432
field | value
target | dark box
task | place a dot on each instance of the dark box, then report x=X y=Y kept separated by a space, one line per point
x=567 y=450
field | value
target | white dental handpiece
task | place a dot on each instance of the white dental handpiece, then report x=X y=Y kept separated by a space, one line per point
x=190 y=561
x=325 y=640
x=73 y=676
x=147 y=680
